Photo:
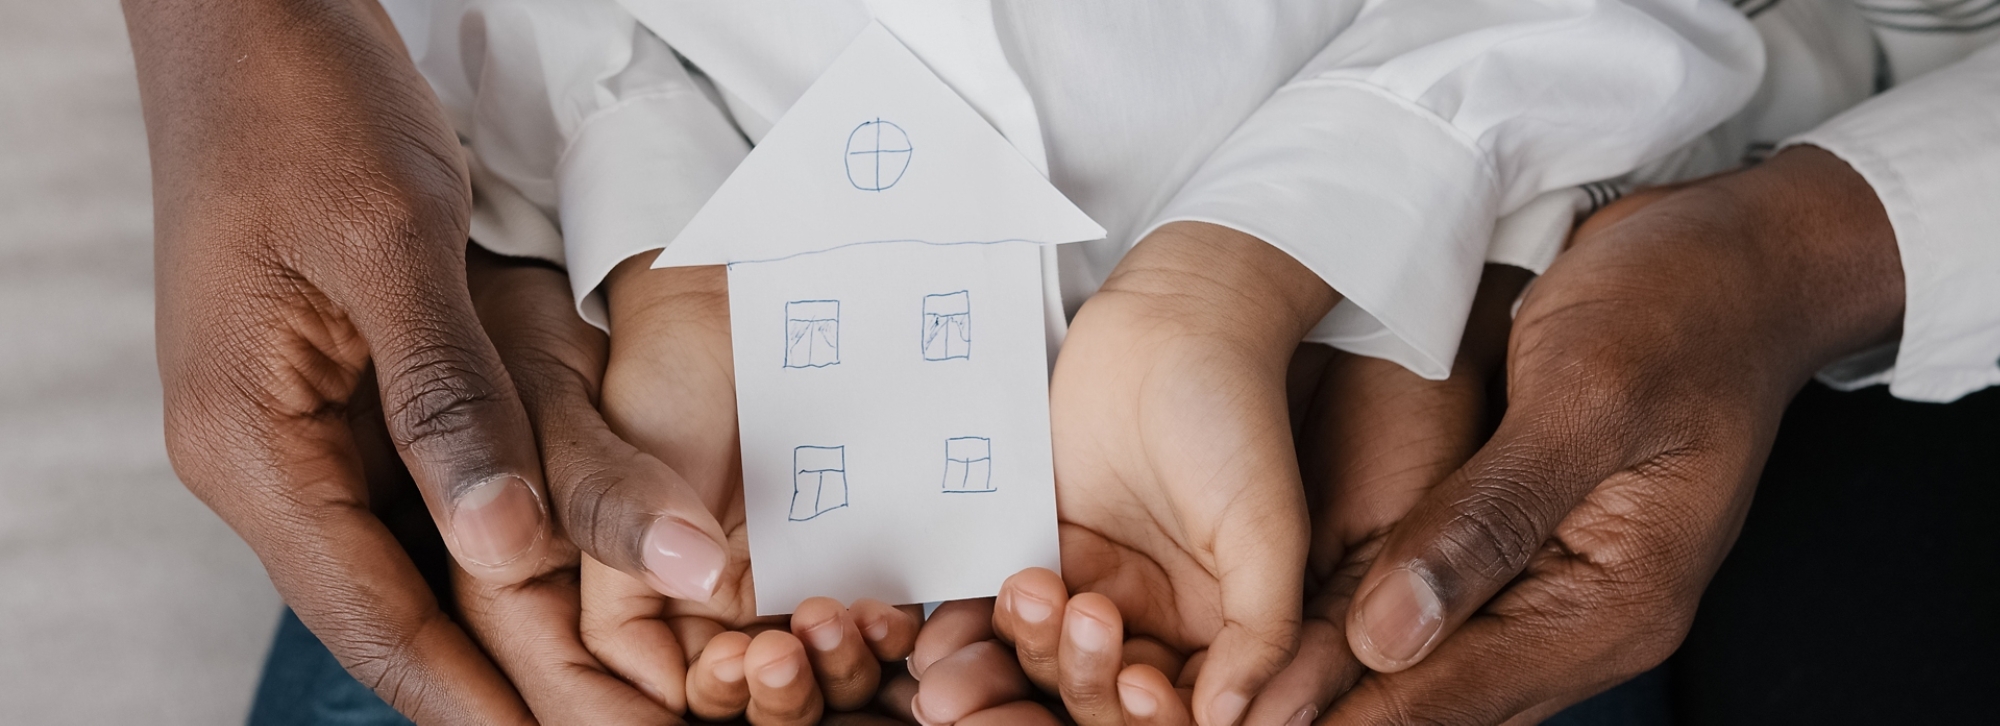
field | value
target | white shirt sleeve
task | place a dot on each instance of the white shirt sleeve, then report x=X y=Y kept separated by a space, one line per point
x=589 y=141
x=1386 y=163
x=1928 y=147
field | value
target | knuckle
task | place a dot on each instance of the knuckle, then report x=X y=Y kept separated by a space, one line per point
x=1492 y=533
x=589 y=505
x=437 y=394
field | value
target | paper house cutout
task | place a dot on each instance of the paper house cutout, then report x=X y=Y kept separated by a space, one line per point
x=968 y=465
x=881 y=189
x=819 y=481
x=812 y=333
x=948 y=326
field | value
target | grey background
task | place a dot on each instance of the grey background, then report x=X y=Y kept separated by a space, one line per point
x=122 y=598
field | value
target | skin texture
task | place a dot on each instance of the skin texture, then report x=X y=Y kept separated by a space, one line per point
x=1647 y=373
x=1182 y=513
x=1373 y=438
x=311 y=207
x=1176 y=482
x=670 y=389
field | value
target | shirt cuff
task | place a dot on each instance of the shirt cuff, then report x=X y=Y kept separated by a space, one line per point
x=1915 y=156
x=1384 y=200
x=632 y=177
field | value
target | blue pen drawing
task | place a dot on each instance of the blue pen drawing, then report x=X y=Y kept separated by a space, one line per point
x=819 y=481
x=948 y=326
x=878 y=152
x=968 y=465
x=812 y=333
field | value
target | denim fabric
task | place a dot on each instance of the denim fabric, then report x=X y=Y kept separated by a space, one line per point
x=303 y=685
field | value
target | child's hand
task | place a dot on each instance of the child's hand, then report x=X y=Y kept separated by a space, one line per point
x=1177 y=481
x=1374 y=437
x=670 y=390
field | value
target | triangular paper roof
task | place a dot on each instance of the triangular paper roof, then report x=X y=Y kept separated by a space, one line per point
x=878 y=150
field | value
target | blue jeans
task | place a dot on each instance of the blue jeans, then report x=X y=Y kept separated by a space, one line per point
x=304 y=686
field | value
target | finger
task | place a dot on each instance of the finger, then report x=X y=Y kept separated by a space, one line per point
x=977 y=677
x=1474 y=533
x=1029 y=615
x=890 y=631
x=621 y=626
x=452 y=409
x=897 y=692
x=718 y=688
x=1150 y=652
x=1260 y=552
x=842 y=663
x=782 y=691
x=1089 y=659
x=530 y=630
x=303 y=504
x=1018 y=713
x=1149 y=699
x=952 y=627
x=1545 y=669
x=625 y=508
x=1322 y=670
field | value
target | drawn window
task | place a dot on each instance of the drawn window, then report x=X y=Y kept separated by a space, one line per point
x=968 y=465
x=948 y=326
x=812 y=333
x=819 y=481
x=878 y=152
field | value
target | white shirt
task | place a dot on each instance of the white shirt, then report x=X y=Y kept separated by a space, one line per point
x=1928 y=146
x=1391 y=146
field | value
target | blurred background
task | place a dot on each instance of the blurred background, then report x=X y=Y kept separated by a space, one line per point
x=122 y=598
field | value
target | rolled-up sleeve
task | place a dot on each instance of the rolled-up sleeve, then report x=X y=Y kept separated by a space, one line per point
x=589 y=141
x=1931 y=150
x=1386 y=163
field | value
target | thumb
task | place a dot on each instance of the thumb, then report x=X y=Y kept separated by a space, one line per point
x=1474 y=533
x=1260 y=554
x=453 y=412
x=625 y=508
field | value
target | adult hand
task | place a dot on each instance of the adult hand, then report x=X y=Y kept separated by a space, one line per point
x=311 y=208
x=1646 y=377
x=1176 y=479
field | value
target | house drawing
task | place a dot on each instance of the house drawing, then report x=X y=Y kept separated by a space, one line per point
x=819 y=481
x=968 y=465
x=948 y=326
x=812 y=333
x=842 y=238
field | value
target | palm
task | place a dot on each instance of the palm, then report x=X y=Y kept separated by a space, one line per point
x=1158 y=463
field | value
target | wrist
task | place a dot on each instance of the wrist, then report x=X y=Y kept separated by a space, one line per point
x=1819 y=226
x=1213 y=279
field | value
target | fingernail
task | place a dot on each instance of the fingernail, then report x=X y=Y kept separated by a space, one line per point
x=1029 y=608
x=1401 y=616
x=729 y=671
x=496 y=521
x=1137 y=701
x=918 y=711
x=779 y=675
x=1089 y=634
x=825 y=636
x=1227 y=708
x=877 y=629
x=683 y=559
x=1305 y=716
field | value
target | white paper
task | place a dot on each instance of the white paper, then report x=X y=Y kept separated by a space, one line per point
x=887 y=308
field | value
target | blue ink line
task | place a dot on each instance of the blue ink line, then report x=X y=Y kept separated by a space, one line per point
x=884 y=242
